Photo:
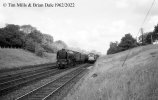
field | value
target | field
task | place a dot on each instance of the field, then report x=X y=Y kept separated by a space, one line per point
x=11 y=58
x=109 y=80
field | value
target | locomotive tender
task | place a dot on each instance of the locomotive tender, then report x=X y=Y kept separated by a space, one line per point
x=70 y=58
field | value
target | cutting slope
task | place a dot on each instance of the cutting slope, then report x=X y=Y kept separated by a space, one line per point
x=10 y=58
x=108 y=80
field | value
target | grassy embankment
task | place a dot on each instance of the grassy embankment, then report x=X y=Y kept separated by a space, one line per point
x=108 y=80
x=11 y=58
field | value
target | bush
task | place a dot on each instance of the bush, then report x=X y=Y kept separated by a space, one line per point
x=113 y=48
x=126 y=43
x=48 y=48
x=39 y=51
x=30 y=45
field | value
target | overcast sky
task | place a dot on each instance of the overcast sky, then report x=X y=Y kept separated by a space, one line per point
x=90 y=25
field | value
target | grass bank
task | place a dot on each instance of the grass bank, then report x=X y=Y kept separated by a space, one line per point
x=108 y=80
x=11 y=58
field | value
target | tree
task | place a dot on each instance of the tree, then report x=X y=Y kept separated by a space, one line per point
x=36 y=36
x=156 y=29
x=127 y=42
x=155 y=33
x=11 y=36
x=34 y=40
x=47 y=39
x=49 y=48
x=113 y=48
x=39 y=51
x=149 y=38
x=27 y=29
x=144 y=38
x=30 y=44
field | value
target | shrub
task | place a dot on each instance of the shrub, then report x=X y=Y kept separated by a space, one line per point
x=39 y=51
x=30 y=45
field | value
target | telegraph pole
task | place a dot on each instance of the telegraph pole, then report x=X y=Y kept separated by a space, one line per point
x=142 y=35
x=151 y=39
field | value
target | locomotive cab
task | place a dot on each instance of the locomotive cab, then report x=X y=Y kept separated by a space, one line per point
x=65 y=58
x=61 y=58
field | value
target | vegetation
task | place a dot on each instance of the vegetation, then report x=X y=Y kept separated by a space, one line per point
x=108 y=80
x=12 y=58
x=113 y=48
x=128 y=42
x=28 y=38
x=10 y=36
x=150 y=37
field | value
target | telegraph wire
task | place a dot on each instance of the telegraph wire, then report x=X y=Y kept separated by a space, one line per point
x=146 y=16
x=139 y=30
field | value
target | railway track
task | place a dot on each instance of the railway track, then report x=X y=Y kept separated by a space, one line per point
x=20 y=71
x=9 y=84
x=47 y=90
x=22 y=74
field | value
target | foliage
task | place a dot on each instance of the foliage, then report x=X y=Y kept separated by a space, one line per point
x=145 y=35
x=11 y=36
x=36 y=36
x=25 y=37
x=150 y=37
x=47 y=39
x=30 y=45
x=48 y=48
x=29 y=38
x=155 y=33
x=27 y=29
x=39 y=51
x=113 y=48
x=156 y=29
x=126 y=43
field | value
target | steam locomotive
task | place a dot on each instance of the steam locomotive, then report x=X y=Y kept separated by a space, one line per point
x=70 y=58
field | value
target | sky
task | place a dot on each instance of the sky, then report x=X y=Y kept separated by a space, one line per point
x=89 y=25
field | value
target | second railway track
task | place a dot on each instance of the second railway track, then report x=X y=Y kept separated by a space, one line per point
x=23 y=69
x=47 y=90
x=23 y=74
x=9 y=84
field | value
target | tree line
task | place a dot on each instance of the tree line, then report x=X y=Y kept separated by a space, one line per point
x=28 y=38
x=128 y=42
